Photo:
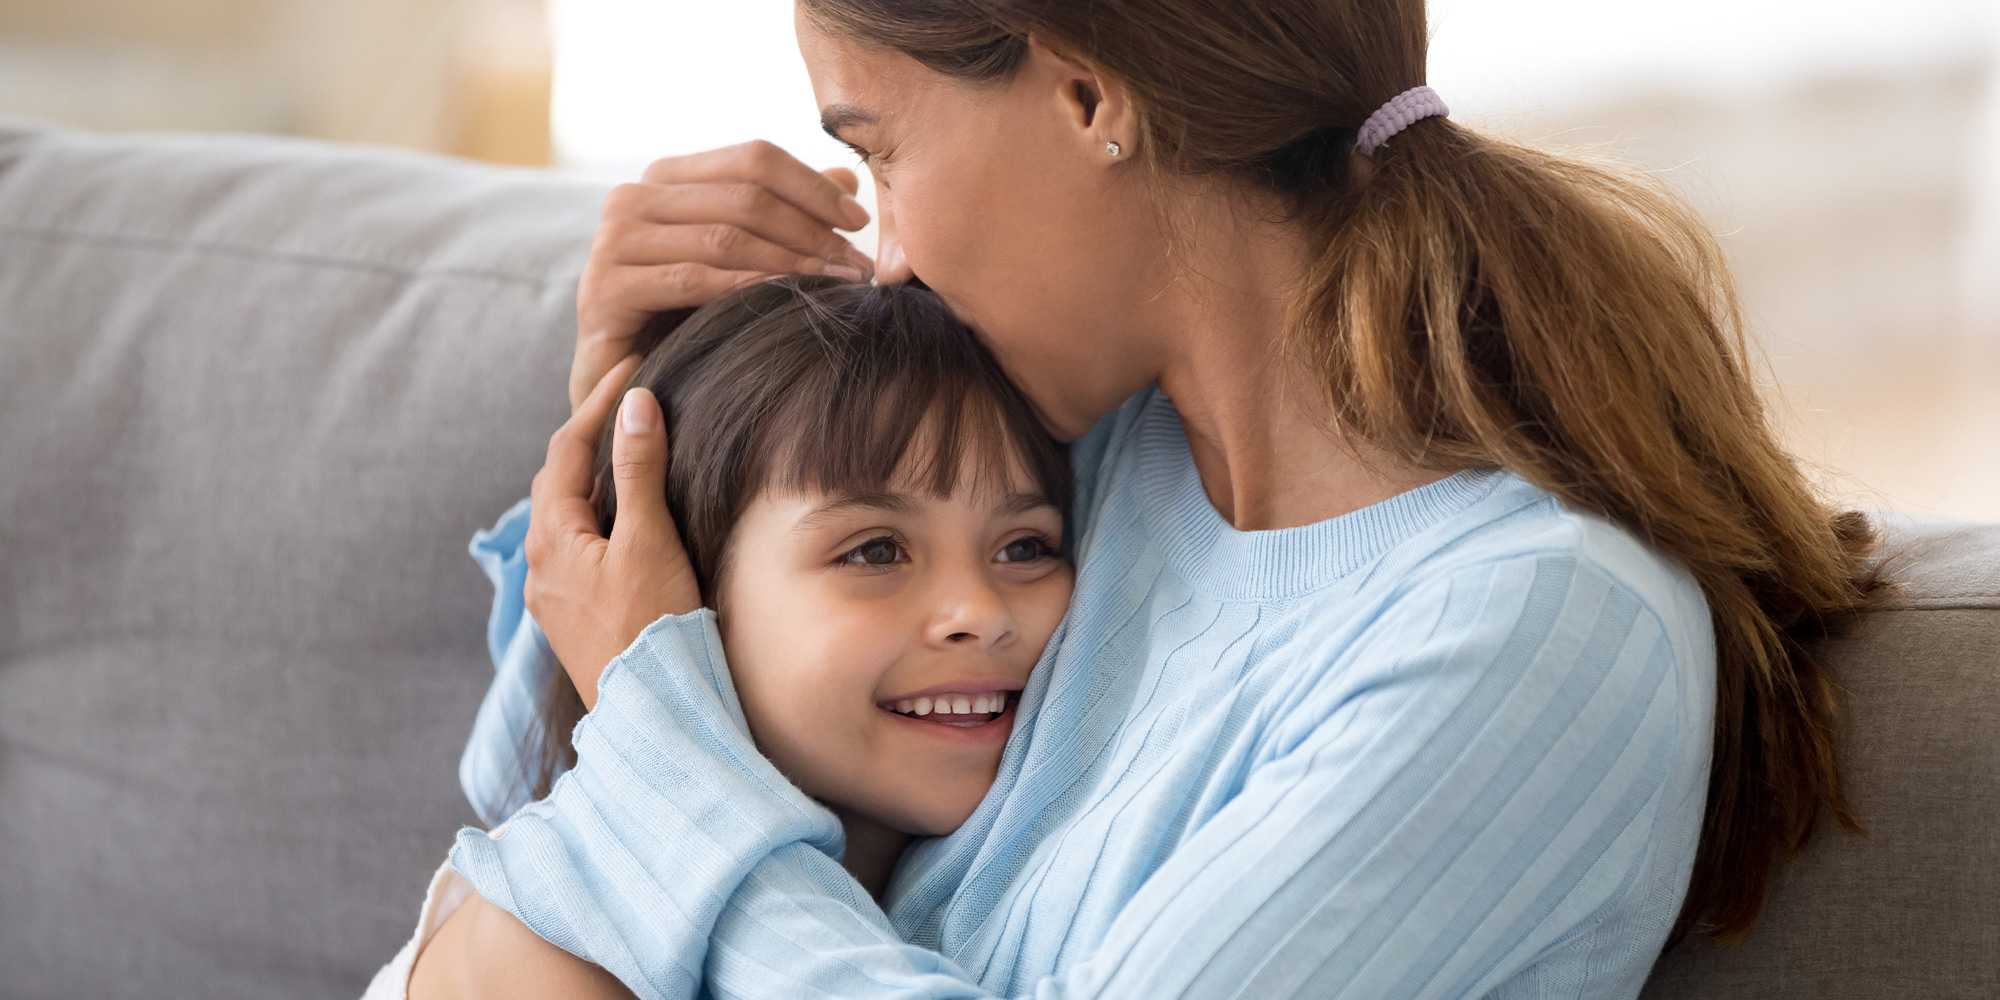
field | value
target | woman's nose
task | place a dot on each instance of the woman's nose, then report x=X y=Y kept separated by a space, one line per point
x=892 y=266
x=971 y=613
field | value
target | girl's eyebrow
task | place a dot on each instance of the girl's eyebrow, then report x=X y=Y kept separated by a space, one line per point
x=1021 y=503
x=889 y=503
x=897 y=503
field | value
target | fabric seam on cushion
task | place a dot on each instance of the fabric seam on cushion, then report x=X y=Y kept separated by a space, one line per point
x=288 y=256
x=1942 y=602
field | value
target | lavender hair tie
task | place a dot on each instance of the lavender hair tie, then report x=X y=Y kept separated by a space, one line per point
x=1410 y=106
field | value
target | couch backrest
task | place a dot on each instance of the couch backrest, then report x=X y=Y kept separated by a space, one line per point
x=1912 y=909
x=256 y=395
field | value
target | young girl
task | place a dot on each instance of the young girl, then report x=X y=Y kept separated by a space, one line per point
x=876 y=517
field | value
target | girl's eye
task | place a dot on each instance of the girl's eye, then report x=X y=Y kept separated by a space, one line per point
x=1027 y=549
x=873 y=552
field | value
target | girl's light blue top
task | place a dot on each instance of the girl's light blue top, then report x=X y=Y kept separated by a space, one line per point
x=1453 y=744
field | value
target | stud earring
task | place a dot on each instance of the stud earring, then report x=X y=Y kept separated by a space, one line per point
x=1113 y=148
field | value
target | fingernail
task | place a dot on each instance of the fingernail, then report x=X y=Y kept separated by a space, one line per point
x=639 y=416
x=846 y=271
x=856 y=215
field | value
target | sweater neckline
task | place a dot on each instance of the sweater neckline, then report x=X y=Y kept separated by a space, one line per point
x=1217 y=559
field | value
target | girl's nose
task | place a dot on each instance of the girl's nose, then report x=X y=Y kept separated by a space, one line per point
x=970 y=613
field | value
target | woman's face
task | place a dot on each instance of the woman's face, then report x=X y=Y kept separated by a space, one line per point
x=857 y=628
x=1004 y=201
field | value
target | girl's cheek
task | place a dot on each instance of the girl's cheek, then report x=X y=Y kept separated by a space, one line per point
x=1038 y=607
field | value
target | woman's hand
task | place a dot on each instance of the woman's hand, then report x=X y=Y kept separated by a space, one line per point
x=697 y=226
x=592 y=595
x=482 y=951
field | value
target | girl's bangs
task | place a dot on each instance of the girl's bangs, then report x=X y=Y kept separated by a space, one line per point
x=924 y=431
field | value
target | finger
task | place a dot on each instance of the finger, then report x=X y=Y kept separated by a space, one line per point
x=643 y=526
x=771 y=167
x=845 y=178
x=742 y=204
x=562 y=488
x=632 y=294
x=628 y=298
x=727 y=247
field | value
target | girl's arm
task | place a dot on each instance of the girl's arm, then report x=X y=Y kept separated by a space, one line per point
x=481 y=952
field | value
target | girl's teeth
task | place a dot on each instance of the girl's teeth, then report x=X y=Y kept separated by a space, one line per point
x=954 y=704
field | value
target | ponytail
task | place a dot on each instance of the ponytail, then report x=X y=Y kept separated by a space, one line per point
x=1476 y=302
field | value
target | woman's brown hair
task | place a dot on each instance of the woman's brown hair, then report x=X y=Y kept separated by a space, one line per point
x=810 y=385
x=1475 y=302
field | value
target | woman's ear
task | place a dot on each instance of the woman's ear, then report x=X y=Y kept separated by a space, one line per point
x=1096 y=105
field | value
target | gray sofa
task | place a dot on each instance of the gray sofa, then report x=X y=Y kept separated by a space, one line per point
x=255 y=396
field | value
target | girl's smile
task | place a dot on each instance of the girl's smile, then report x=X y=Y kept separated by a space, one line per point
x=976 y=726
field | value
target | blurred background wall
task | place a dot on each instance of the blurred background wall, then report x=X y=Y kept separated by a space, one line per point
x=1847 y=152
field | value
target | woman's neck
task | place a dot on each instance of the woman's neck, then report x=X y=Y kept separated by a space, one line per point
x=872 y=850
x=1257 y=423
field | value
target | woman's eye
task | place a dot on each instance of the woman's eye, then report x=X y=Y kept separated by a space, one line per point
x=873 y=552
x=871 y=161
x=1027 y=549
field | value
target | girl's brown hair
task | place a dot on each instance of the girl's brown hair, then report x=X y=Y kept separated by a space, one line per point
x=1475 y=302
x=811 y=385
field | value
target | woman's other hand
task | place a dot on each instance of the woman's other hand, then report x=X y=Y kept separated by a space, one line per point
x=696 y=226
x=482 y=951
x=592 y=595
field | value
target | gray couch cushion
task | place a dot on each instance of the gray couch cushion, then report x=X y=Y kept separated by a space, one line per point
x=255 y=396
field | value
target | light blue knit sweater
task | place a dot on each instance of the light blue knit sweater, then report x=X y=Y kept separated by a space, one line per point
x=1453 y=744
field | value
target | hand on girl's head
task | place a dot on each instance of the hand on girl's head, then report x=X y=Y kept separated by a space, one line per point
x=590 y=594
x=694 y=227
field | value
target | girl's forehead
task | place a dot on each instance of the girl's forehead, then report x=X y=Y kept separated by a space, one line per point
x=812 y=508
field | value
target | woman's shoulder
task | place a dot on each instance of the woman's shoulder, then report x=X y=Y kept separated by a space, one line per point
x=1522 y=525
x=1524 y=589
x=1520 y=591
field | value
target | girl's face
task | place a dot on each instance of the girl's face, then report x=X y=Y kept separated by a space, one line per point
x=1003 y=200
x=845 y=618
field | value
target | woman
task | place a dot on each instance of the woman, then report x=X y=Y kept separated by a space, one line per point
x=1444 y=602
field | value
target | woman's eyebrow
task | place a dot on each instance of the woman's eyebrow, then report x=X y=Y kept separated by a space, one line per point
x=890 y=503
x=835 y=117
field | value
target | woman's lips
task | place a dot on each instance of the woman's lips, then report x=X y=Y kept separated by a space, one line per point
x=993 y=730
